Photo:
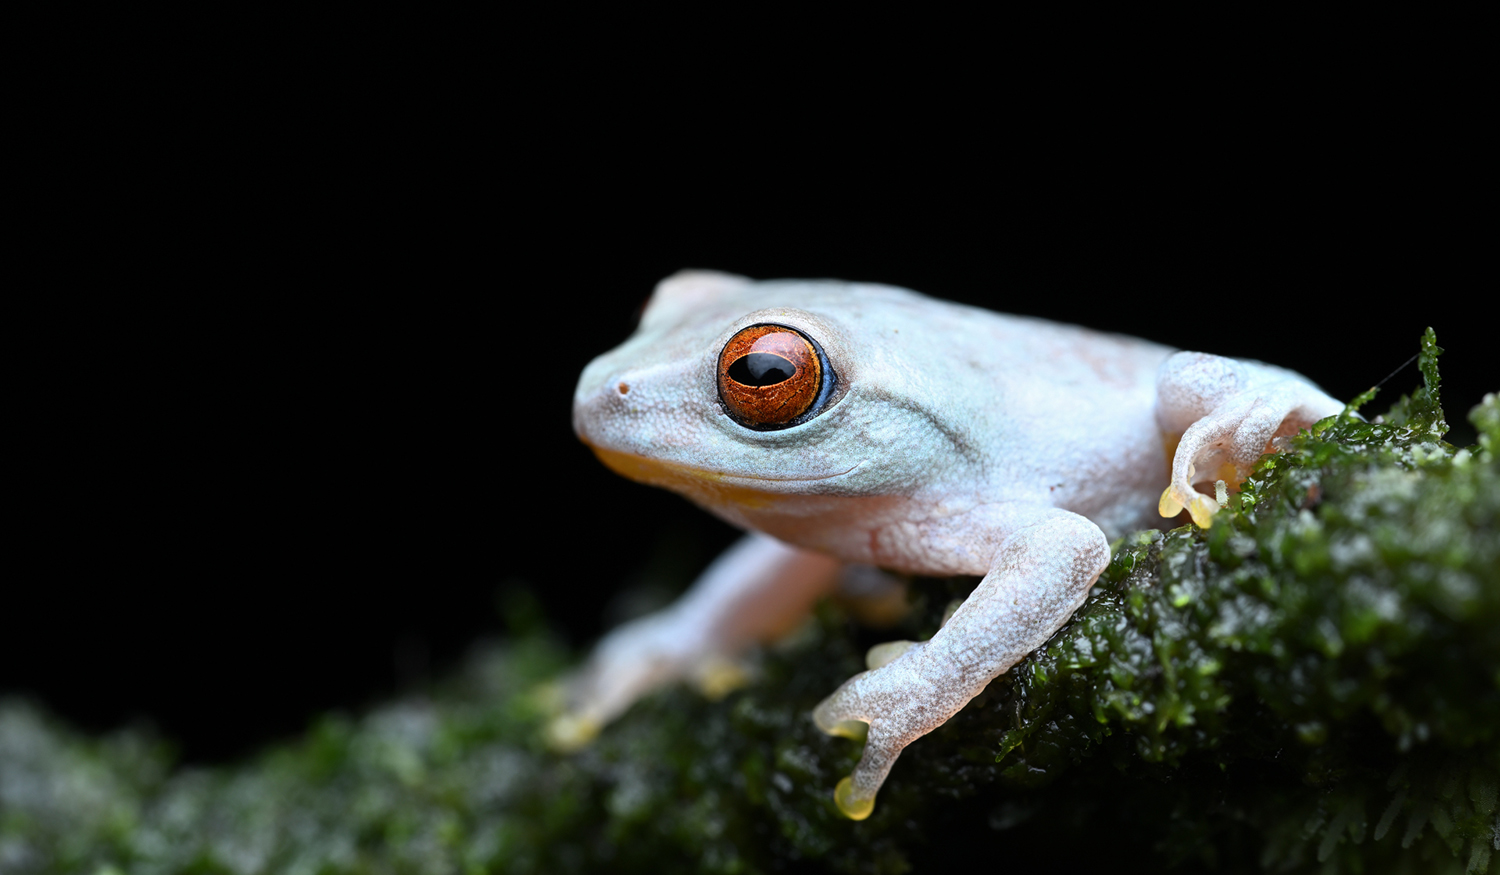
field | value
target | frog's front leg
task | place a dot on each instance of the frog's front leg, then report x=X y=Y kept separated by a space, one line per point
x=1040 y=574
x=1224 y=414
x=757 y=589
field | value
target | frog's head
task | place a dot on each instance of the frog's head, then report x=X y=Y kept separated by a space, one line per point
x=741 y=395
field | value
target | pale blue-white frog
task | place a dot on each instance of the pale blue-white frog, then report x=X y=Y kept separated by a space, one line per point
x=848 y=423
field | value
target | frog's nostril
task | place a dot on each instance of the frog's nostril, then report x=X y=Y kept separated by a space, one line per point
x=624 y=388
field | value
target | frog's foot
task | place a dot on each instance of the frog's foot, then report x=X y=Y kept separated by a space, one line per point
x=876 y=598
x=1040 y=574
x=1229 y=413
x=630 y=662
x=889 y=707
x=1181 y=494
x=717 y=675
x=757 y=590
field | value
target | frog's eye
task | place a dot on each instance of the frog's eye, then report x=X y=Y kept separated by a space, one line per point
x=772 y=376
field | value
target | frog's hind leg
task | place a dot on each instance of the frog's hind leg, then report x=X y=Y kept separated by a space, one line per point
x=1227 y=414
x=756 y=590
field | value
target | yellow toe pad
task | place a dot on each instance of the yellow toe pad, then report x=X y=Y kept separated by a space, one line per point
x=854 y=809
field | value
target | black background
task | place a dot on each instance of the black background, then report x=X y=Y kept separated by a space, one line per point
x=307 y=410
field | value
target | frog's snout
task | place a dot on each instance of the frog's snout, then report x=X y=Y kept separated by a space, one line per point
x=599 y=399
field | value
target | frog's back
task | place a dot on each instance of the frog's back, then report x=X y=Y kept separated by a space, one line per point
x=1057 y=413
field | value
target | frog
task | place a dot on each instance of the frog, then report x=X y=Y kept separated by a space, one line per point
x=848 y=425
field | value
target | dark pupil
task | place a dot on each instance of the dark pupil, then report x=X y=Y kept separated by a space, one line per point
x=761 y=369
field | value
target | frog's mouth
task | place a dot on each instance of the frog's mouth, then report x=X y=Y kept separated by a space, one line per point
x=702 y=483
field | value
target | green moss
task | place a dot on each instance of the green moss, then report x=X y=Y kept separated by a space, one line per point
x=1338 y=632
x=1311 y=685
